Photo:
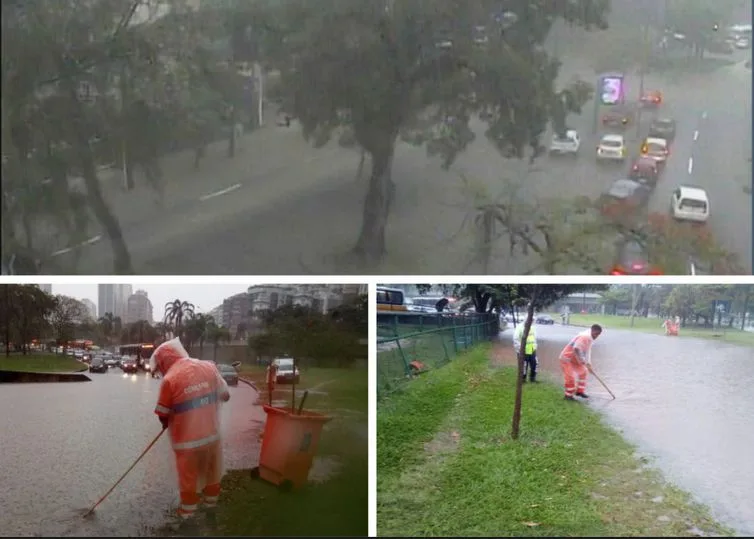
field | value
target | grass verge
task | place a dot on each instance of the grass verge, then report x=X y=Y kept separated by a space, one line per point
x=40 y=363
x=336 y=506
x=447 y=466
x=654 y=325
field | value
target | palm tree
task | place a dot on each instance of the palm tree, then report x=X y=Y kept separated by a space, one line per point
x=176 y=312
x=216 y=335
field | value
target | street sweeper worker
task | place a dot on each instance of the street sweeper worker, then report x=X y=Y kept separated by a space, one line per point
x=189 y=407
x=576 y=362
x=530 y=350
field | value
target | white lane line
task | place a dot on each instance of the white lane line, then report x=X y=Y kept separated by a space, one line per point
x=221 y=192
x=691 y=164
x=93 y=239
x=704 y=115
x=696 y=135
x=90 y=241
x=62 y=251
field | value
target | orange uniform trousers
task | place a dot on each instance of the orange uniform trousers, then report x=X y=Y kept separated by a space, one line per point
x=199 y=475
x=575 y=374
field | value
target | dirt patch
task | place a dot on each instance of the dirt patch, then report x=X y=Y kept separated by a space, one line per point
x=443 y=443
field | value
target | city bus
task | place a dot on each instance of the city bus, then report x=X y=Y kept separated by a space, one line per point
x=141 y=351
x=390 y=299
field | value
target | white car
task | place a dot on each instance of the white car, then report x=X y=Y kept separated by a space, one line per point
x=690 y=204
x=656 y=148
x=611 y=148
x=568 y=144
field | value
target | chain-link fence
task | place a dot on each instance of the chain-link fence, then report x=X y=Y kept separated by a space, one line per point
x=409 y=344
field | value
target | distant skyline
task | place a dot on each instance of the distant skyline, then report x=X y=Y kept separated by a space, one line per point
x=205 y=297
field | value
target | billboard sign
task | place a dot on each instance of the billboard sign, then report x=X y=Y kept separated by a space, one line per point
x=612 y=89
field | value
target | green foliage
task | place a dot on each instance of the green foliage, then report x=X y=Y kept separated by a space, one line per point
x=24 y=313
x=305 y=333
x=496 y=297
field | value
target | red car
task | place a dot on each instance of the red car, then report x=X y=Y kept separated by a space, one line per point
x=644 y=167
x=651 y=98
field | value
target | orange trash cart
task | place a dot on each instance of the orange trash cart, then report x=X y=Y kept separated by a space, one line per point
x=289 y=445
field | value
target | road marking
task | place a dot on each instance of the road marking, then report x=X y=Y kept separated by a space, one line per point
x=221 y=192
x=704 y=115
x=696 y=135
x=62 y=251
x=90 y=241
x=691 y=164
x=93 y=239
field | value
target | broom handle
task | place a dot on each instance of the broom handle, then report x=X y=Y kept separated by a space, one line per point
x=125 y=474
x=603 y=383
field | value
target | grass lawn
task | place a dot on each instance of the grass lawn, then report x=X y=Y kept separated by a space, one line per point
x=40 y=363
x=447 y=466
x=654 y=325
x=337 y=506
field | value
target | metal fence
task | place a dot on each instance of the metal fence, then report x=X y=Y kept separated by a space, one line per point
x=409 y=344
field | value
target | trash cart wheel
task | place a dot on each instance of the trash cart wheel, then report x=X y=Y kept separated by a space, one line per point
x=286 y=486
x=255 y=472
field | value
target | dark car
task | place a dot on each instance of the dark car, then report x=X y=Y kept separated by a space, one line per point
x=545 y=319
x=129 y=365
x=632 y=259
x=644 y=168
x=98 y=364
x=229 y=374
x=662 y=128
x=625 y=198
x=620 y=116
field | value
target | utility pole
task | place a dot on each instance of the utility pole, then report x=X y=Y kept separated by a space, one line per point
x=634 y=300
x=646 y=45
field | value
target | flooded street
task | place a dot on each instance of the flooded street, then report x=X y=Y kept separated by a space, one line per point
x=686 y=402
x=63 y=445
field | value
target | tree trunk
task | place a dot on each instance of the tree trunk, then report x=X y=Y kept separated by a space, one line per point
x=121 y=256
x=371 y=243
x=520 y=374
x=214 y=354
x=745 y=307
x=8 y=310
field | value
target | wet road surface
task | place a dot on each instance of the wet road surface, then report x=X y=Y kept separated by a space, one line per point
x=62 y=446
x=686 y=402
x=226 y=218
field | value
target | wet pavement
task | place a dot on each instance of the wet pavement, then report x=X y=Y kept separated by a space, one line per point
x=688 y=403
x=62 y=446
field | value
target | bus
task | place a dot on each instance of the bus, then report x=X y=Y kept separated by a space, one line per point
x=141 y=351
x=390 y=299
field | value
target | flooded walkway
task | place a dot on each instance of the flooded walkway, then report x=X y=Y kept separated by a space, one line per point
x=689 y=403
x=62 y=446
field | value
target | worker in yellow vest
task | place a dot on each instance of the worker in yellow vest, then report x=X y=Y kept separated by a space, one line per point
x=530 y=350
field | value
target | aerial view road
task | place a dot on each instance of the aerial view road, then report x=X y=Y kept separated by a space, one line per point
x=282 y=206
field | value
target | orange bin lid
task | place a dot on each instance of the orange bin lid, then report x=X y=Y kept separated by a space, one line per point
x=303 y=416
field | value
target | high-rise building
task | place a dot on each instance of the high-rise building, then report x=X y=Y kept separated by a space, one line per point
x=235 y=312
x=218 y=315
x=113 y=298
x=45 y=288
x=138 y=307
x=91 y=308
x=320 y=297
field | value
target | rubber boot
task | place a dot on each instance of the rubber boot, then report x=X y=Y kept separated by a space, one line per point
x=582 y=395
x=572 y=399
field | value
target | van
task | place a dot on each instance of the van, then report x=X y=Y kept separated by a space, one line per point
x=390 y=299
x=690 y=204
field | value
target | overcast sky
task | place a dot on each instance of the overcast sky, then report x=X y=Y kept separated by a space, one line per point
x=204 y=296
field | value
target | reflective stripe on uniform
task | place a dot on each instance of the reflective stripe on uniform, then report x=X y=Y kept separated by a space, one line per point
x=196 y=443
x=162 y=409
x=196 y=402
x=186 y=507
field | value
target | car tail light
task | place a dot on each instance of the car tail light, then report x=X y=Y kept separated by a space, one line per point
x=617 y=272
x=637 y=266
